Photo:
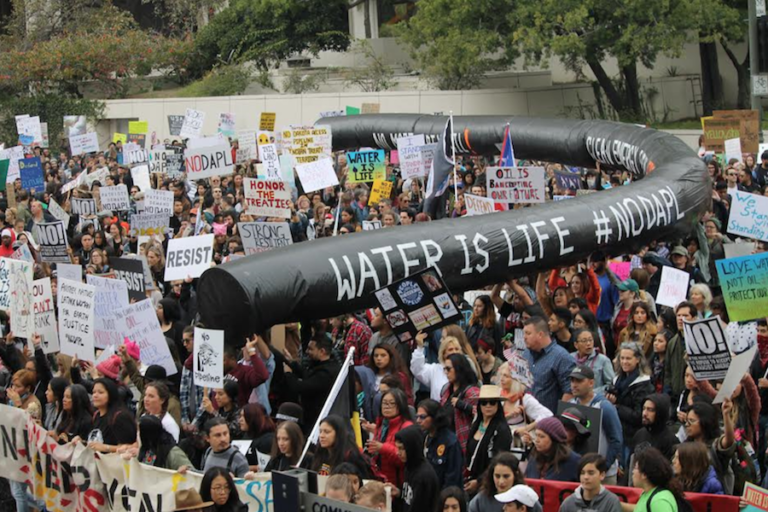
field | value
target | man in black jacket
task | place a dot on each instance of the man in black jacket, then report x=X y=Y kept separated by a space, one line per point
x=655 y=432
x=421 y=487
x=314 y=385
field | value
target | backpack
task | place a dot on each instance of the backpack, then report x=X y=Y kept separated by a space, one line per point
x=682 y=504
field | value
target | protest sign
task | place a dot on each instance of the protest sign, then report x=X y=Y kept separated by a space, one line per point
x=568 y=180
x=132 y=272
x=748 y=124
x=381 y=189
x=707 y=346
x=45 y=316
x=82 y=206
x=749 y=216
x=371 y=225
x=227 y=124
x=352 y=111
x=267 y=198
x=188 y=257
x=514 y=185
x=420 y=302
x=317 y=175
x=4 y=175
x=100 y=176
x=31 y=172
x=52 y=237
x=674 y=287
x=262 y=236
x=744 y=282
x=174 y=165
x=149 y=224
x=756 y=498
x=594 y=424
x=16 y=294
x=44 y=133
x=111 y=295
x=135 y=154
x=370 y=108
x=193 y=124
x=411 y=160
x=76 y=313
x=138 y=322
x=87 y=143
x=246 y=146
x=30 y=126
x=332 y=113
x=208 y=358
x=158 y=202
x=208 y=161
x=269 y=158
x=157 y=160
x=427 y=157
x=307 y=144
x=23 y=253
x=138 y=126
x=69 y=272
x=75 y=125
x=13 y=155
x=174 y=125
x=738 y=249
x=140 y=176
x=518 y=367
x=119 y=137
x=740 y=365
x=115 y=198
x=267 y=121
x=477 y=205
x=621 y=269
x=733 y=149
x=366 y=166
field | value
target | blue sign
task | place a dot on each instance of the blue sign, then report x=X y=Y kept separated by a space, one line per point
x=31 y=171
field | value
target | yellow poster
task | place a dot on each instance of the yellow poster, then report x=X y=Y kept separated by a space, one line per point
x=267 y=121
x=119 y=137
x=381 y=190
x=138 y=126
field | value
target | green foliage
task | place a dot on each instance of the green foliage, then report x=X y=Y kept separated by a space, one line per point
x=268 y=31
x=455 y=42
x=375 y=76
x=299 y=82
x=51 y=108
x=229 y=80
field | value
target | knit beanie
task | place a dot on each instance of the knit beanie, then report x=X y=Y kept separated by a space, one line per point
x=110 y=368
x=132 y=348
x=554 y=428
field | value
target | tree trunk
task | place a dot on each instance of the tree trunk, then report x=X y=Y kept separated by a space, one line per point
x=634 y=107
x=712 y=95
x=614 y=98
x=742 y=75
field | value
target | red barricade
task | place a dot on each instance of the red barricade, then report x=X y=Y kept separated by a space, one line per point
x=552 y=494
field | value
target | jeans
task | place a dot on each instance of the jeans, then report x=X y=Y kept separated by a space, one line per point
x=20 y=494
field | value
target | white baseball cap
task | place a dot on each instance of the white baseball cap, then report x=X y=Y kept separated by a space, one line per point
x=521 y=493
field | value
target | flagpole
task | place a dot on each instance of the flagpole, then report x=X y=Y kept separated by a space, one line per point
x=453 y=155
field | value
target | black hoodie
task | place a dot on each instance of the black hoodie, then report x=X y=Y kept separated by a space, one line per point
x=658 y=435
x=421 y=487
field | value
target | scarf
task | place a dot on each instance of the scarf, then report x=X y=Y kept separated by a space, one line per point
x=762 y=346
x=623 y=382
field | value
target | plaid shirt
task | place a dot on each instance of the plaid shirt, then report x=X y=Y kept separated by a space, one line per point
x=463 y=412
x=551 y=368
x=357 y=335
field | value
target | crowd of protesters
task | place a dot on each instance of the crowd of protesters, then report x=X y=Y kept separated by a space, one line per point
x=446 y=423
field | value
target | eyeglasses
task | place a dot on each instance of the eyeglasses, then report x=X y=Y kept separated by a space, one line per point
x=689 y=422
x=222 y=488
x=446 y=369
x=488 y=402
x=422 y=417
x=388 y=404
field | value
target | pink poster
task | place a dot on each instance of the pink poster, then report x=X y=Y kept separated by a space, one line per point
x=394 y=158
x=621 y=269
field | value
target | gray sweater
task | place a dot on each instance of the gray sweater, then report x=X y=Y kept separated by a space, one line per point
x=606 y=501
x=230 y=459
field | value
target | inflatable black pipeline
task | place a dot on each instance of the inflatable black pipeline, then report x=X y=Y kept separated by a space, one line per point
x=330 y=276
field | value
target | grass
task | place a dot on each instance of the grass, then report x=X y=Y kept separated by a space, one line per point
x=689 y=124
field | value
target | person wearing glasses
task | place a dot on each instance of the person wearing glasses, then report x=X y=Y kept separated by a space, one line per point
x=441 y=446
x=218 y=487
x=490 y=435
x=394 y=416
x=459 y=395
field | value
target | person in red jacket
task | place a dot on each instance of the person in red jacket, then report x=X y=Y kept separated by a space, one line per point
x=6 y=244
x=394 y=416
x=247 y=377
x=583 y=285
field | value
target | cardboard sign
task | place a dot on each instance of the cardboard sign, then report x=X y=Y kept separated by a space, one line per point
x=568 y=180
x=140 y=176
x=262 y=236
x=673 y=288
x=227 y=124
x=366 y=166
x=111 y=295
x=381 y=189
x=45 y=316
x=707 y=346
x=174 y=125
x=158 y=202
x=317 y=175
x=31 y=172
x=749 y=127
x=100 y=176
x=138 y=322
x=411 y=160
x=370 y=108
x=30 y=127
x=52 y=237
x=209 y=161
x=148 y=224
x=307 y=144
x=76 y=318
x=744 y=282
x=13 y=155
x=515 y=185
x=23 y=254
x=739 y=367
x=138 y=126
x=428 y=156
x=193 y=124
x=267 y=198
x=733 y=149
x=736 y=250
x=420 y=302
x=270 y=161
x=188 y=257
x=87 y=143
x=44 y=132
x=477 y=205
x=267 y=121
x=115 y=198
x=82 y=206
x=57 y=211
x=208 y=358
x=246 y=142
x=132 y=273
x=4 y=175
x=352 y=111
x=594 y=417
x=749 y=216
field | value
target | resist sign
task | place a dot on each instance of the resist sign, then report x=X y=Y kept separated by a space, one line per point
x=188 y=257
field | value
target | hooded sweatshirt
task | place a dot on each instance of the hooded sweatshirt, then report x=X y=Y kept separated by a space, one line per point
x=605 y=501
x=421 y=487
x=657 y=435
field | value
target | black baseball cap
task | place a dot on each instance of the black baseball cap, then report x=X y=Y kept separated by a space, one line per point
x=582 y=372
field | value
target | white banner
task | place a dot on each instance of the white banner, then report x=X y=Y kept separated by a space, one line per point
x=209 y=161
x=88 y=143
x=115 y=198
x=76 y=313
x=188 y=257
x=208 y=358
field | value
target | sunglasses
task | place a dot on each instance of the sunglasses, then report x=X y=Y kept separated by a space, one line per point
x=488 y=402
x=421 y=417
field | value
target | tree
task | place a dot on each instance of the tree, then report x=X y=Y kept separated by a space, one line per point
x=375 y=76
x=268 y=31
x=590 y=31
x=456 y=42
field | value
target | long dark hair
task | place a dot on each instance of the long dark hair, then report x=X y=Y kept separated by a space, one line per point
x=257 y=420
x=438 y=413
x=297 y=442
x=81 y=415
x=658 y=470
x=155 y=439
x=488 y=320
x=557 y=454
x=488 y=486
x=455 y=493
x=233 y=504
x=694 y=465
x=114 y=403
x=709 y=421
x=58 y=385
x=395 y=365
x=465 y=376
x=162 y=391
x=591 y=320
x=343 y=447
